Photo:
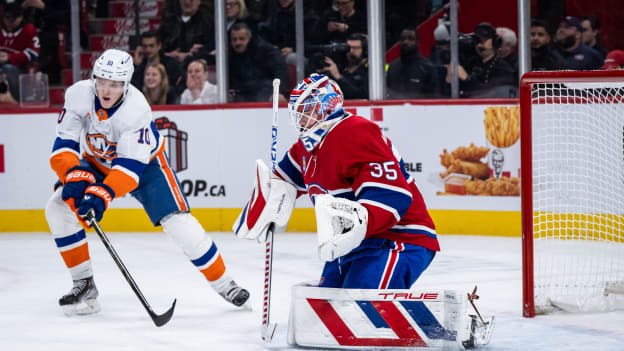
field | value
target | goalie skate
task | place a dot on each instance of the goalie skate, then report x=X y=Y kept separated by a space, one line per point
x=234 y=294
x=81 y=299
x=480 y=332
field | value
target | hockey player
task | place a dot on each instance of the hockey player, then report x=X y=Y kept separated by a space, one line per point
x=374 y=233
x=374 y=230
x=107 y=146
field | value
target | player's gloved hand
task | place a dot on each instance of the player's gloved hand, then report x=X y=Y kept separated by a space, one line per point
x=76 y=182
x=341 y=226
x=97 y=198
x=272 y=201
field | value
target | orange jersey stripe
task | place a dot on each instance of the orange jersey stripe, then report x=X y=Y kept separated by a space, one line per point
x=76 y=255
x=173 y=184
x=120 y=182
x=62 y=162
x=215 y=270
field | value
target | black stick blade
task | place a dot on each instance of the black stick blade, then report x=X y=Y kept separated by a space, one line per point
x=162 y=319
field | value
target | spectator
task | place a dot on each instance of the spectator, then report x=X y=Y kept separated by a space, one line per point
x=279 y=28
x=354 y=77
x=543 y=56
x=186 y=33
x=258 y=10
x=236 y=12
x=411 y=76
x=507 y=50
x=576 y=55
x=614 y=60
x=337 y=25
x=55 y=20
x=486 y=74
x=253 y=64
x=19 y=45
x=591 y=32
x=150 y=52
x=156 y=86
x=198 y=89
x=440 y=51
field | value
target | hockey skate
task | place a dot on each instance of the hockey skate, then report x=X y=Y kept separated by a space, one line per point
x=234 y=294
x=81 y=299
x=480 y=332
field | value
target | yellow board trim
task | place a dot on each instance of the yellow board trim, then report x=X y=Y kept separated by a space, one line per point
x=498 y=223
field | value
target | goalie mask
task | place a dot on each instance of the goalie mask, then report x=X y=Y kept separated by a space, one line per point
x=115 y=65
x=315 y=106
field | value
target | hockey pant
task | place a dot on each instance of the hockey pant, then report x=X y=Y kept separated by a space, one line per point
x=377 y=264
x=161 y=195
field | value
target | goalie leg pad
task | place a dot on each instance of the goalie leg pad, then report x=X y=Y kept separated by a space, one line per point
x=358 y=318
x=272 y=201
x=190 y=236
x=341 y=226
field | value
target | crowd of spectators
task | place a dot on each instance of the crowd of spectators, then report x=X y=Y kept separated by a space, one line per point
x=174 y=63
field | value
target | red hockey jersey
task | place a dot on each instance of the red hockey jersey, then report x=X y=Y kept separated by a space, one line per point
x=21 y=45
x=357 y=162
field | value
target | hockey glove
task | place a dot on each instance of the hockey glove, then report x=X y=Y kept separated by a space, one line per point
x=341 y=225
x=272 y=201
x=76 y=182
x=97 y=197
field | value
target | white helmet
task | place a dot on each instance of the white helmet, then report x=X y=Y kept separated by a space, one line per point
x=115 y=65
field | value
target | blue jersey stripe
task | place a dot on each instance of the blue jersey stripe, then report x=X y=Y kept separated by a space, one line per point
x=66 y=143
x=156 y=137
x=399 y=201
x=132 y=165
x=414 y=231
x=291 y=171
x=70 y=239
x=206 y=257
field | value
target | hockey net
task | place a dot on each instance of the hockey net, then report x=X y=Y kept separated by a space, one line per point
x=572 y=135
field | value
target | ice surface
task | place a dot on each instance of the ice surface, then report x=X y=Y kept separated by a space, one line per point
x=33 y=277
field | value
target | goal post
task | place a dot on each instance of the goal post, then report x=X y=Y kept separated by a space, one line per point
x=572 y=179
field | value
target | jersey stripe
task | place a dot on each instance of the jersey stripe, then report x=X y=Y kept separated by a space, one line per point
x=382 y=206
x=291 y=172
x=129 y=166
x=399 y=201
x=65 y=145
x=172 y=182
x=383 y=186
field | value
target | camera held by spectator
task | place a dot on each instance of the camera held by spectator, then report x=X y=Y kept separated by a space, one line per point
x=333 y=50
x=465 y=43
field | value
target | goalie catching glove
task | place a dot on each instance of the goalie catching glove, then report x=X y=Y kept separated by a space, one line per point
x=341 y=225
x=272 y=201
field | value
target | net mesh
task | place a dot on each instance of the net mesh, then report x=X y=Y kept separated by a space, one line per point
x=578 y=194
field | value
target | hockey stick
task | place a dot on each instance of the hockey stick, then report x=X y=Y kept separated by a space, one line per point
x=268 y=329
x=159 y=320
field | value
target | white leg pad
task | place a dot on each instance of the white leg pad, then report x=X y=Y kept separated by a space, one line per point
x=61 y=219
x=373 y=319
x=188 y=234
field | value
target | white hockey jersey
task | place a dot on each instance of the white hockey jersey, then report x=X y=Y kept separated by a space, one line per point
x=119 y=141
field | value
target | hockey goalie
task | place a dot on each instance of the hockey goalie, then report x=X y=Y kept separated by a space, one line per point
x=374 y=234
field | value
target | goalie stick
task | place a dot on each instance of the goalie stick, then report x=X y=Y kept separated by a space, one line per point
x=268 y=328
x=159 y=320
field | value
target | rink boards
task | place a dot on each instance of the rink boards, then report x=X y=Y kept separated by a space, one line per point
x=214 y=148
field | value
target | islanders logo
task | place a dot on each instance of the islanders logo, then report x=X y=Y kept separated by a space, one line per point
x=101 y=147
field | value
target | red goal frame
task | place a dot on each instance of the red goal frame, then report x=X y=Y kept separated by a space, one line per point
x=526 y=157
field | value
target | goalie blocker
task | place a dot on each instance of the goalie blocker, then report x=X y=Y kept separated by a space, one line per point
x=371 y=318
